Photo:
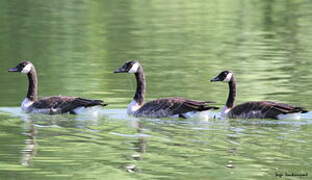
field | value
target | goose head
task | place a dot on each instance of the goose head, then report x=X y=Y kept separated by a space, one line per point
x=225 y=76
x=129 y=67
x=23 y=67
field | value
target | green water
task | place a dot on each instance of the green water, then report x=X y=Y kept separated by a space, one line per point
x=77 y=44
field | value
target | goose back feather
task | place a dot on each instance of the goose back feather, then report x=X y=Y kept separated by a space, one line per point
x=63 y=104
x=165 y=107
x=263 y=109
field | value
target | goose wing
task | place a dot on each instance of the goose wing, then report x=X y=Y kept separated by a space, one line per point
x=64 y=104
x=264 y=109
x=165 y=107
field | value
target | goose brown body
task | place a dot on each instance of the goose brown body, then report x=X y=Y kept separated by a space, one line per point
x=52 y=104
x=163 y=107
x=252 y=109
x=166 y=107
x=263 y=109
x=62 y=104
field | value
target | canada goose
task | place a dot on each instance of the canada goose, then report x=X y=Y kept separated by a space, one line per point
x=252 y=109
x=164 y=107
x=52 y=104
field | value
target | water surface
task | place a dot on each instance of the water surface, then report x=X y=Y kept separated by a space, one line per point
x=76 y=45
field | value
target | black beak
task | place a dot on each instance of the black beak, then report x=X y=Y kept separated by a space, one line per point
x=215 y=79
x=119 y=70
x=13 y=70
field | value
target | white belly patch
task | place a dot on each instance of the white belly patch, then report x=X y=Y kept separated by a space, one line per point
x=26 y=105
x=133 y=107
x=224 y=112
x=293 y=116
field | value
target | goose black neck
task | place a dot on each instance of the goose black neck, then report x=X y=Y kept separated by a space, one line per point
x=140 y=90
x=232 y=93
x=32 y=92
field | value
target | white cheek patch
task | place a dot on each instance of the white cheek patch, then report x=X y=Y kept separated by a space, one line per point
x=228 y=77
x=134 y=68
x=26 y=69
